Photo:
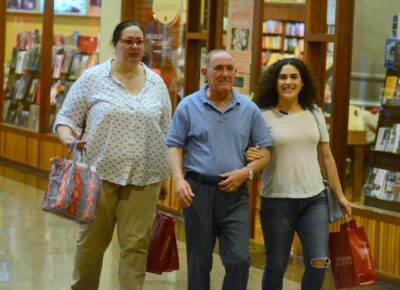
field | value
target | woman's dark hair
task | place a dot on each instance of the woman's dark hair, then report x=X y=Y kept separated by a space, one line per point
x=120 y=27
x=267 y=92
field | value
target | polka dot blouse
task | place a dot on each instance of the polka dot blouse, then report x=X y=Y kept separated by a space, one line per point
x=125 y=134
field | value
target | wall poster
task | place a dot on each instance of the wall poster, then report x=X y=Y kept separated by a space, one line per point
x=239 y=41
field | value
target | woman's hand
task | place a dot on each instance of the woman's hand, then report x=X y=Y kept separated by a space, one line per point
x=253 y=153
x=68 y=137
x=345 y=205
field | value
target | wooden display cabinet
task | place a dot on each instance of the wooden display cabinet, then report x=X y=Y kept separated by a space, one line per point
x=389 y=115
x=33 y=146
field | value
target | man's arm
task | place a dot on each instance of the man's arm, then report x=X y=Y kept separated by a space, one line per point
x=182 y=187
x=234 y=179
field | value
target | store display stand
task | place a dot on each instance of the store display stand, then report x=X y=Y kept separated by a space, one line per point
x=389 y=115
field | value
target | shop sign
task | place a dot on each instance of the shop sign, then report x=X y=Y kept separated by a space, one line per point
x=166 y=11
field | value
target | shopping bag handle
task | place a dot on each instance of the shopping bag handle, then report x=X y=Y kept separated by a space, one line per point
x=348 y=225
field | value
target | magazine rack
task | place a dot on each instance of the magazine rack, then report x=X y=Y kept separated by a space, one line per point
x=388 y=160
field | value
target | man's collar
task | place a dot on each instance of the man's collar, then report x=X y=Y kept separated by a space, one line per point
x=204 y=98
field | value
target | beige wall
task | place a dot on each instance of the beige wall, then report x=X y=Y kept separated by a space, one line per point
x=110 y=17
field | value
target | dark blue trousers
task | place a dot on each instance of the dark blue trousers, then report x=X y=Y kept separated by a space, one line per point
x=223 y=215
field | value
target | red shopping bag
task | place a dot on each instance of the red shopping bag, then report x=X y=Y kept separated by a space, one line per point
x=351 y=257
x=163 y=252
x=73 y=189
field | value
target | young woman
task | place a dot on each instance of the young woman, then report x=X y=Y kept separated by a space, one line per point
x=293 y=196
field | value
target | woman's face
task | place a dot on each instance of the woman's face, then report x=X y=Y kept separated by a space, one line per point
x=289 y=82
x=130 y=46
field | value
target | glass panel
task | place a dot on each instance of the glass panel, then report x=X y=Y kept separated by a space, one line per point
x=21 y=105
x=375 y=80
x=165 y=50
x=75 y=47
x=331 y=16
x=204 y=16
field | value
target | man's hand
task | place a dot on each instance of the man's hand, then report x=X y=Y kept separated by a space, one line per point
x=184 y=192
x=233 y=179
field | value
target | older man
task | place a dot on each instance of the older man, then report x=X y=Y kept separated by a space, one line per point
x=210 y=131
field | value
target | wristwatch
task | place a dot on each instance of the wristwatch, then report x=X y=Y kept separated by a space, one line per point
x=250 y=174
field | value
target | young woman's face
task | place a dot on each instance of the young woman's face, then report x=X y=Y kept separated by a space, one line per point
x=289 y=82
x=130 y=46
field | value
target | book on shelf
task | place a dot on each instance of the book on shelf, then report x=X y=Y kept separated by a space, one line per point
x=388 y=139
x=396 y=26
x=22 y=86
x=22 y=118
x=33 y=119
x=396 y=188
x=75 y=65
x=57 y=88
x=67 y=62
x=57 y=66
x=33 y=89
x=10 y=85
x=383 y=138
x=390 y=87
x=383 y=184
x=396 y=142
x=19 y=66
x=87 y=44
x=387 y=192
x=13 y=61
x=390 y=51
x=6 y=107
x=83 y=64
x=29 y=5
x=11 y=115
x=34 y=58
x=375 y=183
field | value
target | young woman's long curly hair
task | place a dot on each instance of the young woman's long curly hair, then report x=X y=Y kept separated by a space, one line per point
x=267 y=93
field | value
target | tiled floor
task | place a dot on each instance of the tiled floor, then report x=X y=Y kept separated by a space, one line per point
x=36 y=248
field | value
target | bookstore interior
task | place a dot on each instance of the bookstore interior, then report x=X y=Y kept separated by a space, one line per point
x=45 y=45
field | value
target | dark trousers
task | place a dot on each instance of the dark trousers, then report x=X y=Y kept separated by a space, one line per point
x=215 y=213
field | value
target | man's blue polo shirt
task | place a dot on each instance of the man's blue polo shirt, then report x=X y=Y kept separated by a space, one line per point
x=215 y=142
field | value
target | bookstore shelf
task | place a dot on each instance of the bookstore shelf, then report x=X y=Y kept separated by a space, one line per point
x=283 y=31
x=382 y=185
x=15 y=12
x=34 y=86
x=381 y=203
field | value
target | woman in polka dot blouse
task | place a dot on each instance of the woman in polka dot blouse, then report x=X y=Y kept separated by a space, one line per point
x=125 y=109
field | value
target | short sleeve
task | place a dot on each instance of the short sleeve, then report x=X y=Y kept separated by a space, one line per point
x=323 y=130
x=165 y=120
x=177 y=134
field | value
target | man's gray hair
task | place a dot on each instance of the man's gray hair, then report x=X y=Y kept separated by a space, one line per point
x=210 y=54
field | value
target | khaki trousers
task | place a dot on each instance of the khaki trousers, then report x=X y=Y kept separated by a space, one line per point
x=131 y=208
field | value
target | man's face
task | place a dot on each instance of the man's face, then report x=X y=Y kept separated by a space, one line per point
x=220 y=72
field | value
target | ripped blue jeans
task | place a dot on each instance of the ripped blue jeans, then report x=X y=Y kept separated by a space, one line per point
x=280 y=219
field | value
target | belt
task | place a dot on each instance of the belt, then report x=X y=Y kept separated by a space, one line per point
x=211 y=180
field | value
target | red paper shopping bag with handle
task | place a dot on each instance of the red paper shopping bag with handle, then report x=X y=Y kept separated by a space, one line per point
x=163 y=252
x=351 y=257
